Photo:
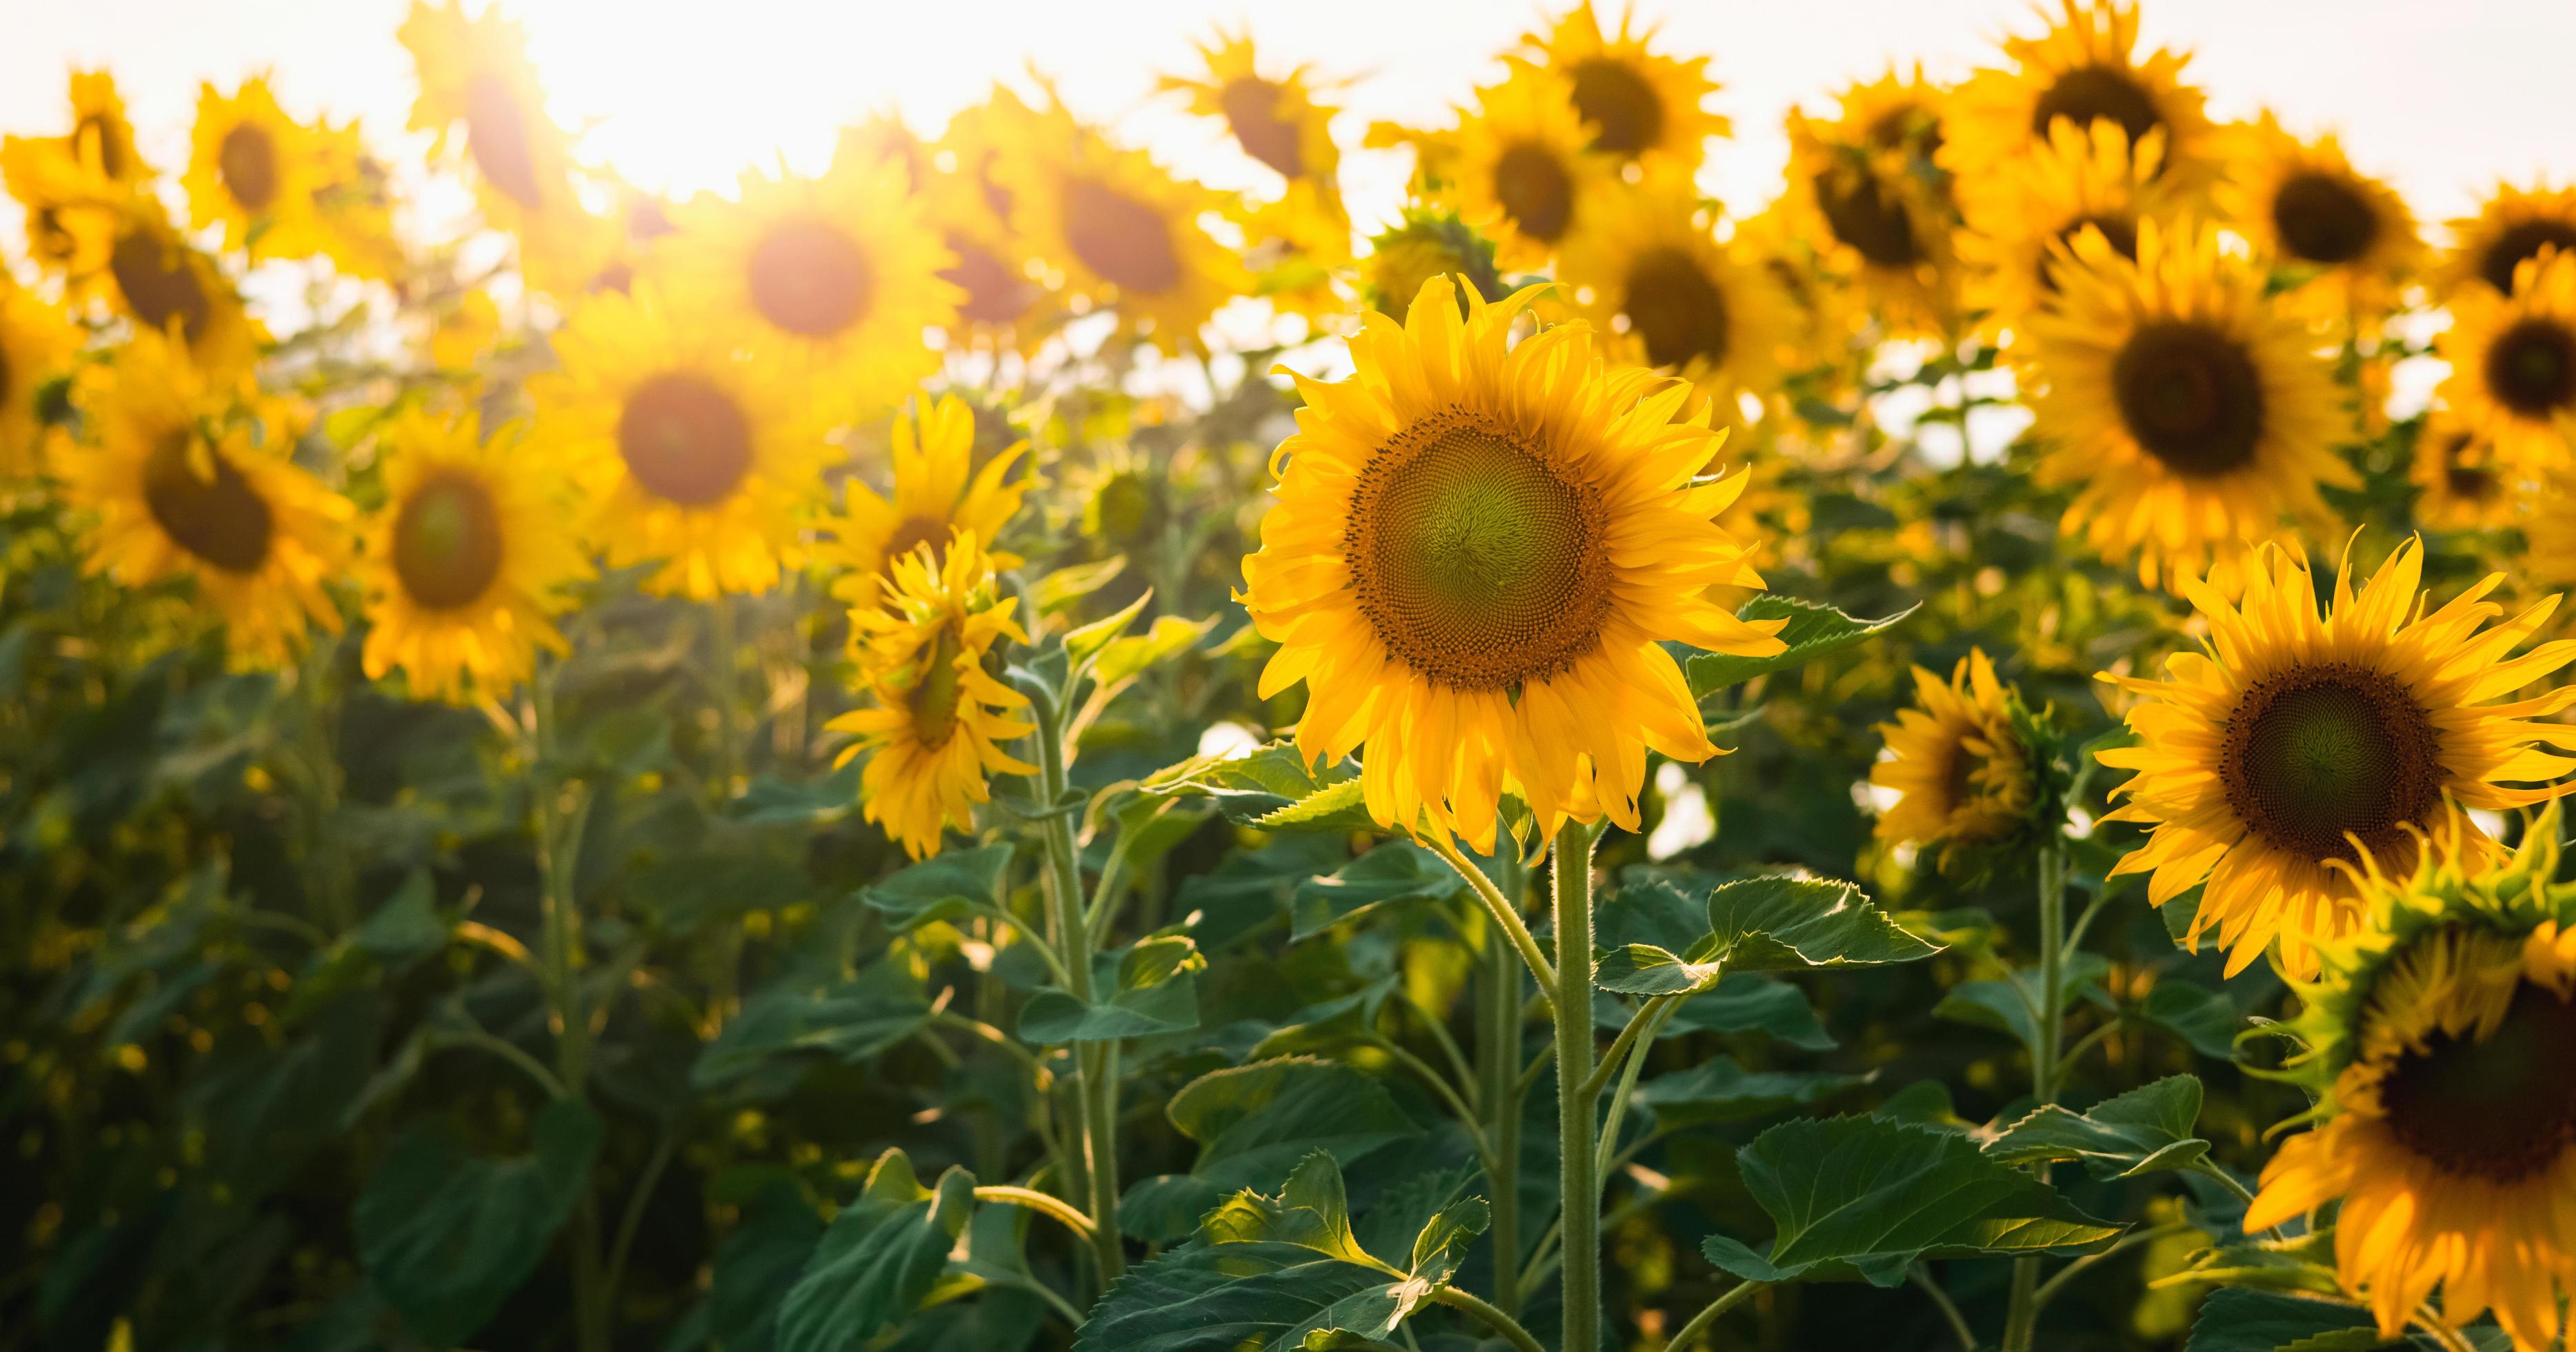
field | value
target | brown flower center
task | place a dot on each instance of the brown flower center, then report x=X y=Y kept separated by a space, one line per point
x=1478 y=561
x=2323 y=218
x=247 y=162
x=157 y=278
x=1868 y=216
x=2531 y=369
x=496 y=135
x=1909 y=127
x=912 y=533
x=2190 y=396
x=994 y=293
x=1535 y=189
x=2325 y=750
x=2521 y=241
x=2090 y=94
x=447 y=542
x=1626 y=115
x=205 y=505
x=1252 y=110
x=1127 y=242
x=2501 y=1108
x=1676 y=309
x=2120 y=232
x=684 y=439
x=809 y=278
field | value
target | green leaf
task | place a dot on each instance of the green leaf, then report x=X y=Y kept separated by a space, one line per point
x=1087 y=642
x=2005 y=1006
x=759 y=1265
x=2234 y=1320
x=407 y=926
x=1254 y=1122
x=1777 y=924
x=1647 y=969
x=1339 y=807
x=1749 y=1002
x=878 y=1260
x=2304 y=1263
x=1076 y=581
x=850 y=1021
x=2145 y=1130
x=1166 y=1208
x=1814 y=630
x=1276 y=1274
x=1148 y=990
x=690 y=890
x=447 y=1235
x=1130 y=657
x=1719 y=1090
x=1248 y=787
x=2198 y=1015
x=943 y=887
x=1398 y=870
x=1865 y=1196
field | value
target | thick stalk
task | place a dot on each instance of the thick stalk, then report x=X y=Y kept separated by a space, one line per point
x=1093 y=1095
x=1499 y=1048
x=1578 y=1184
x=559 y=833
x=2021 y=1318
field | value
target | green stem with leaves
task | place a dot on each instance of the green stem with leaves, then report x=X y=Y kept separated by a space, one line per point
x=562 y=816
x=2022 y=1316
x=1499 y=1049
x=1094 y=1088
x=1578 y=1177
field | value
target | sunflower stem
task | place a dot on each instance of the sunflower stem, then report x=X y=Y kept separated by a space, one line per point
x=1579 y=1185
x=1499 y=1048
x=2022 y=1316
x=562 y=817
x=1094 y=1087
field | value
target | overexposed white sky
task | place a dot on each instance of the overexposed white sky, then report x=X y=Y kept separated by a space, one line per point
x=2443 y=96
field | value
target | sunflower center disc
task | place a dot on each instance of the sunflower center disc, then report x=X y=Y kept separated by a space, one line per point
x=2466 y=479
x=1477 y=562
x=935 y=697
x=1959 y=782
x=994 y=293
x=2318 y=752
x=1865 y=215
x=447 y=542
x=1535 y=191
x=2323 y=220
x=1909 y=127
x=1252 y=110
x=684 y=440
x=2520 y=242
x=219 y=518
x=2500 y=1109
x=247 y=160
x=2120 y=232
x=1676 y=309
x=1126 y=241
x=1625 y=114
x=2090 y=94
x=158 y=285
x=912 y=533
x=496 y=135
x=2190 y=396
x=97 y=132
x=2532 y=368
x=809 y=278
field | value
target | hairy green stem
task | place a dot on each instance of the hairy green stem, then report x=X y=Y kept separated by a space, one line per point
x=1921 y=1276
x=1034 y=1200
x=2021 y=1318
x=1504 y=912
x=1094 y=1089
x=1499 y=1051
x=559 y=832
x=1579 y=1187
x=1699 y=1323
x=1493 y=1318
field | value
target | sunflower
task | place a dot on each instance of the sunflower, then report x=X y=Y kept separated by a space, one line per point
x=190 y=478
x=2346 y=238
x=2194 y=416
x=2085 y=69
x=476 y=72
x=2510 y=229
x=2462 y=483
x=1117 y=229
x=1476 y=555
x=1275 y=119
x=70 y=208
x=937 y=493
x=37 y=344
x=256 y=172
x=972 y=209
x=693 y=455
x=1639 y=106
x=837 y=276
x=161 y=282
x=1866 y=194
x=1424 y=243
x=2022 y=218
x=2513 y=363
x=1670 y=296
x=1298 y=246
x=465 y=559
x=2296 y=746
x=354 y=205
x=940 y=716
x=2440 y=1035
x=1522 y=172
x=1960 y=772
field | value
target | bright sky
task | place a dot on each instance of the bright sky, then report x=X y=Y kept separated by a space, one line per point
x=2444 y=96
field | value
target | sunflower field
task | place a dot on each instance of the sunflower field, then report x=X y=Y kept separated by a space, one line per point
x=994 y=749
